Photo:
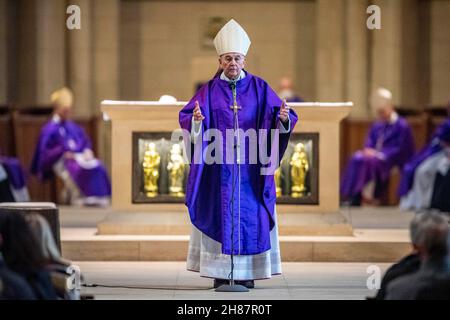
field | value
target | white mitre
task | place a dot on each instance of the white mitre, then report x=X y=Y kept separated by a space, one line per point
x=232 y=38
x=381 y=98
x=62 y=97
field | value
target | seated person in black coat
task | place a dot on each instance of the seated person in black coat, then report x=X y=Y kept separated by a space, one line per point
x=431 y=280
x=407 y=265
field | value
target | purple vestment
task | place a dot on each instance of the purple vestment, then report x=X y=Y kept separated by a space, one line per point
x=14 y=170
x=295 y=98
x=395 y=144
x=442 y=134
x=209 y=186
x=58 y=137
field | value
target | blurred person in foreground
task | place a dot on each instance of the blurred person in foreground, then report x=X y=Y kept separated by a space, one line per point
x=21 y=254
x=65 y=276
x=408 y=264
x=432 y=280
x=13 y=286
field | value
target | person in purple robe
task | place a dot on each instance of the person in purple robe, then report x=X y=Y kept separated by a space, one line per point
x=214 y=186
x=389 y=144
x=418 y=178
x=287 y=91
x=64 y=149
x=12 y=181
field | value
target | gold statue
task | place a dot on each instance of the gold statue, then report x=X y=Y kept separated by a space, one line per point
x=176 y=171
x=299 y=168
x=150 y=166
x=277 y=176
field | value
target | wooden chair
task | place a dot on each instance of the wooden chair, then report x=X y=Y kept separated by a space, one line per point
x=6 y=131
x=27 y=127
x=390 y=197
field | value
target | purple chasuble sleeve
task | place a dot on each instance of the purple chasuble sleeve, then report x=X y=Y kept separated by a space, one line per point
x=394 y=142
x=56 y=139
x=14 y=171
x=442 y=133
x=399 y=147
x=372 y=137
x=48 y=151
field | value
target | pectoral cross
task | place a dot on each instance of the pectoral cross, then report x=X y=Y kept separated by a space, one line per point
x=235 y=107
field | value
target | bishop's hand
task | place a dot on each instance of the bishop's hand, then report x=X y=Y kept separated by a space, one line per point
x=197 y=112
x=284 y=111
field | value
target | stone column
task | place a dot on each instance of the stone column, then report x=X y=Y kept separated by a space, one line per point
x=26 y=53
x=106 y=15
x=357 y=57
x=440 y=53
x=41 y=50
x=330 y=50
x=79 y=61
x=410 y=26
x=3 y=52
x=305 y=66
x=130 y=50
x=394 y=57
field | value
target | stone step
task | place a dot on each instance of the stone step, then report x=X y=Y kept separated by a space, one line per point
x=177 y=222
x=366 y=245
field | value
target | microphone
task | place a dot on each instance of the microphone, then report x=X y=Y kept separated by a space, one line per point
x=232 y=287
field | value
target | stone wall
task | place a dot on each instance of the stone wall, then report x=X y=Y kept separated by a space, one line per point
x=139 y=50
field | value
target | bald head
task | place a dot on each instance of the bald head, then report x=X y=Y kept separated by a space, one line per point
x=381 y=103
x=430 y=234
x=286 y=84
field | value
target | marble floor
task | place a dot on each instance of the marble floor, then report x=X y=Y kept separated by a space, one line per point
x=170 y=280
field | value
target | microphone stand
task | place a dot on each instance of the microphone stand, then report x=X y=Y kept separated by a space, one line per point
x=232 y=287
